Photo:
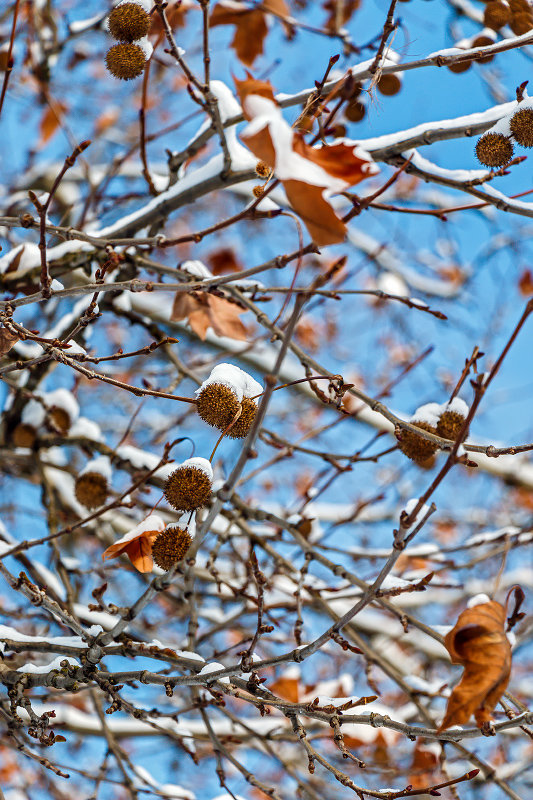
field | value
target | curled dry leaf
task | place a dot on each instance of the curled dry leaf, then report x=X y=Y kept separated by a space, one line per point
x=7 y=340
x=251 y=26
x=204 y=310
x=137 y=544
x=339 y=14
x=310 y=175
x=478 y=642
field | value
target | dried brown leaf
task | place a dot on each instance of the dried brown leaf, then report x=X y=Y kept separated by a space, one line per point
x=478 y=642
x=7 y=340
x=204 y=311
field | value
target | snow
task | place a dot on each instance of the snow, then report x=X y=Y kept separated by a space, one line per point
x=33 y=413
x=478 y=600
x=140 y=459
x=146 y=46
x=290 y=165
x=102 y=465
x=457 y=405
x=393 y=284
x=62 y=398
x=85 y=428
x=42 y=669
x=428 y=413
x=197 y=268
x=214 y=666
x=30 y=258
x=180 y=653
x=228 y=375
x=409 y=508
x=153 y=522
x=199 y=463
x=169 y=790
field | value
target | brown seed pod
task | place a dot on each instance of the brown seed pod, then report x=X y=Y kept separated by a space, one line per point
x=496 y=15
x=484 y=41
x=125 y=61
x=217 y=405
x=170 y=546
x=521 y=125
x=494 y=149
x=187 y=488
x=389 y=84
x=413 y=446
x=262 y=169
x=460 y=66
x=521 y=23
x=450 y=424
x=244 y=423
x=59 y=420
x=355 y=111
x=24 y=435
x=128 y=21
x=91 y=489
x=258 y=191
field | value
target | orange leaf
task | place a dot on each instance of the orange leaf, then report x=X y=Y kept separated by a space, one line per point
x=333 y=22
x=137 y=543
x=479 y=643
x=223 y=260
x=287 y=688
x=250 y=30
x=204 y=311
x=525 y=283
x=320 y=220
x=251 y=85
x=51 y=120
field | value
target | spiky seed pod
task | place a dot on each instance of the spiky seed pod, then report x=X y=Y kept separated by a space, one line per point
x=450 y=424
x=125 y=61
x=24 y=435
x=128 y=22
x=170 y=546
x=262 y=169
x=257 y=191
x=494 y=149
x=59 y=419
x=521 y=125
x=217 y=405
x=521 y=23
x=496 y=15
x=91 y=489
x=414 y=447
x=244 y=423
x=187 y=488
x=389 y=84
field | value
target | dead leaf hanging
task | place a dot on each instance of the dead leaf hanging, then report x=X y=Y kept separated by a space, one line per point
x=310 y=175
x=203 y=311
x=251 y=26
x=478 y=642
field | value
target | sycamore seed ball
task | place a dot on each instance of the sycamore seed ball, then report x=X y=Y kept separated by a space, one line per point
x=128 y=22
x=244 y=423
x=187 y=488
x=450 y=424
x=91 y=489
x=24 y=435
x=389 y=84
x=415 y=447
x=217 y=405
x=125 y=61
x=521 y=23
x=59 y=420
x=522 y=127
x=494 y=150
x=170 y=546
x=262 y=169
x=496 y=15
